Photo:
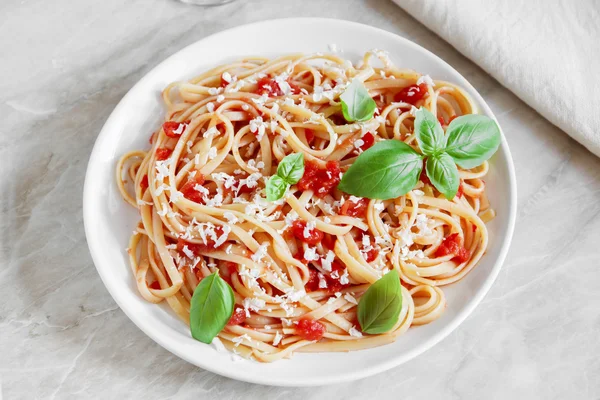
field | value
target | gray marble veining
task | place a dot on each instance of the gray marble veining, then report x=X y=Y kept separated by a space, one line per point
x=66 y=64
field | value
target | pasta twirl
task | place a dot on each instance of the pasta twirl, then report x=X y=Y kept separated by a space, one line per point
x=200 y=192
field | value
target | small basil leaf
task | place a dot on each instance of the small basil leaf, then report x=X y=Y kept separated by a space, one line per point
x=211 y=307
x=443 y=174
x=379 y=308
x=472 y=139
x=429 y=132
x=291 y=168
x=276 y=188
x=387 y=170
x=357 y=104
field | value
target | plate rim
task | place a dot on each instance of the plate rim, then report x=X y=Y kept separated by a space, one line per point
x=393 y=361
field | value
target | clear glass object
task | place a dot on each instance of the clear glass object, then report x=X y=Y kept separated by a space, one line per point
x=206 y=2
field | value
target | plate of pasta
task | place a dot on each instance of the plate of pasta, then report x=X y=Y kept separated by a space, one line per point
x=308 y=209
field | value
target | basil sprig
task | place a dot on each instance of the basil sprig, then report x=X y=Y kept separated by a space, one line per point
x=385 y=171
x=379 y=308
x=357 y=104
x=472 y=139
x=391 y=168
x=289 y=172
x=211 y=308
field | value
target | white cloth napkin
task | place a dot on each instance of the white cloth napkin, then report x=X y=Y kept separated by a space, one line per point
x=547 y=52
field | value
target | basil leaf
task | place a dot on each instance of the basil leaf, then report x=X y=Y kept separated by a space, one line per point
x=357 y=104
x=472 y=139
x=429 y=132
x=387 y=170
x=291 y=168
x=443 y=174
x=211 y=307
x=379 y=308
x=276 y=188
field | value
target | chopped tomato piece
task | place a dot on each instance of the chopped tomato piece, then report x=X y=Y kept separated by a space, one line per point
x=238 y=317
x=300 y=257
x=163 y=153
x=144 y=183
x=459 y=192
x=334 y=284
x=411 y=94
x=224 y=83
x=310 y=329
x=353 y=209
x=267 y=85
x=295 y=89
x=313 y=280
x=154 y=285
x=189 y=190
x=371 y=255
x=424 y=178
x=441 y=121
x=173 y=129
x=474 y=228
x=451 y=245
x=310 y=135
x=152 y=137
x=368 y=140
x=310 y=236
x=320 y=181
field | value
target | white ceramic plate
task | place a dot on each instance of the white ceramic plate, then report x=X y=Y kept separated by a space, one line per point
x=109 y=221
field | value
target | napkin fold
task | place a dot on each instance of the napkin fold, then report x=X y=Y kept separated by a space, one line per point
x=547 y=52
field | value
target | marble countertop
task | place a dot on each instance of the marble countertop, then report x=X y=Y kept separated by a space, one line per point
x=66 y=64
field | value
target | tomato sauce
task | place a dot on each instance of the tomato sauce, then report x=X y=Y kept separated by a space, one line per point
x=320 y=180
x=189 y=188
x=170 y=128
x=310 y=329
x=452 y=245
x=355 y=209
x=163 y=153
x=411 y=94
x=238 y=317
x=144 y=183
x=368 y=140
x=314 y=235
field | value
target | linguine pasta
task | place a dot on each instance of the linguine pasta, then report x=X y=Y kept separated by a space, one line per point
x=308 y=257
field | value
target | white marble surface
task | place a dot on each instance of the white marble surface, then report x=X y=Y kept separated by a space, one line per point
x=66 y=64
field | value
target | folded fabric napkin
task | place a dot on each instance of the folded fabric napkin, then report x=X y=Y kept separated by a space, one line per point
x=547 y=52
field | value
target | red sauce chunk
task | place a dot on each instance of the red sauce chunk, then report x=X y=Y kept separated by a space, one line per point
x=173 y=129
x=268 y=86
x=334 y=284
x=452 y=245
x=310 y=329
x=154 y=285
x=371 y=255
x=310 y=135
x=424 y=178
x=313 y=236
x=144 y=183
x=368 y=140
x=355 y=209
x=320 y=180
x=313 y=280
x=411 y=94
x=238 y=317
x=189 y=188
x=459 y=192
x=163 y=153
